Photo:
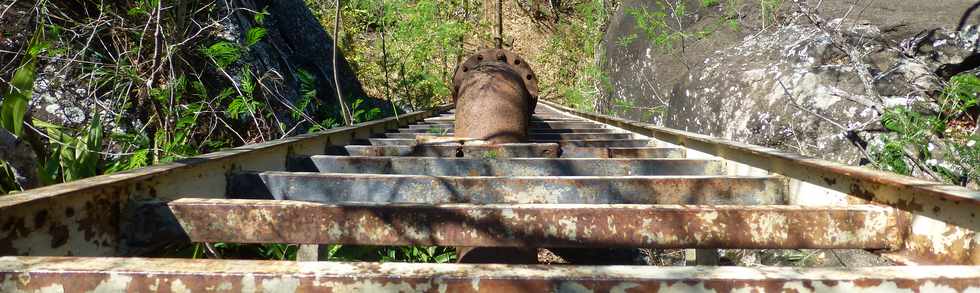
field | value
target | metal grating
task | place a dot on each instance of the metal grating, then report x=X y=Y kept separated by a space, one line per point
x=585 y=181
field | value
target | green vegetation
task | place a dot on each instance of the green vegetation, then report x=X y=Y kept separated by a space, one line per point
x=938 y=144
x=150 y=99
x=710 y=3
x=769 y=8
x=414 y=254
x=490 y=155
x=423 y=42
x=574 y=51
x=664 y=24
x=165 y=81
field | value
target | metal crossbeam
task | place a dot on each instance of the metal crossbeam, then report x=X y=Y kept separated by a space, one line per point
x=531 y=131
x=563 y=143
x=437 y=166
x=334 y=188
x=522 y=150
x=145 y=275
x=531 y=125
x=541 y=225
x=533 y=136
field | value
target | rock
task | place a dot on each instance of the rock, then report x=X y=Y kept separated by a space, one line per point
x=788 y=86
x=295 y=42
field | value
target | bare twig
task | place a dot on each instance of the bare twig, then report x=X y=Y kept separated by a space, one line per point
x=384 y=62
x=839 y=40
x=344 y=111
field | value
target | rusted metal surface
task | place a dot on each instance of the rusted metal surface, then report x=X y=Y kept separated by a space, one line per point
x=337 y=188
x=563 y=143
x=637 y=152
x=531 y=131
x=46 y=274
x=533 y=136
x=409 y=142
x=451 y=119
x=605 y=143
x=84 y=217
x=510 y=166
x=531 y=125
x=944 y=217
x=540 y=225
x=495 y=93
x=519 y=150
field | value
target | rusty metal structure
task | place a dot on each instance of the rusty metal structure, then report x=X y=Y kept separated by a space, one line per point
x=495 y=92
x=582 y=180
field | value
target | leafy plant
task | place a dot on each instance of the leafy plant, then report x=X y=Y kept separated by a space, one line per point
x=261 y=15
x=419 y=254
x=223 y=53
x=769 y=9
x=934 y=143
x=489 y=155
x=307 y=90
x=710 y=3
x=362 y=114
x=18 y=93
x=626 y=41
x=72 y=156
x=960 y=96
x=580 y=79
x=254 y=35
x=244 y=103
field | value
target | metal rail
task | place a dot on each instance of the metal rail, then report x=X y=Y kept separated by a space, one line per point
x=588 y=181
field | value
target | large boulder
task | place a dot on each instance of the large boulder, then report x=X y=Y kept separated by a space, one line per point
x=777 y=80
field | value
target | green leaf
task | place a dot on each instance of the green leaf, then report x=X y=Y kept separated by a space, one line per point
x=223 y=53
x=16 y=97
x=248 y=82
x=254 y=35
x=260 y=16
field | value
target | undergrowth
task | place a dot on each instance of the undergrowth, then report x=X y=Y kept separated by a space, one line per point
x=937 y=143
x=162 y=80
x=575 y=51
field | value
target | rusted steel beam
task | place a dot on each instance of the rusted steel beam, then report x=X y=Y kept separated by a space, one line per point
x=35 y=274
x=532 y=131
x=636 y=152
x=608 y=143
x=533 y=150
x=517 y=150
x=451 y=119
x=531 y=125
x=509 y=166
x=944 y=218
x=337 y=188
x=539 y=225
x=84 y=217
x=408 y=142
x=533 y=136
x=563 y=143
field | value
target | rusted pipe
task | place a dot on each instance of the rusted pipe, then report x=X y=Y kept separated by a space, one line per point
x=495 y=93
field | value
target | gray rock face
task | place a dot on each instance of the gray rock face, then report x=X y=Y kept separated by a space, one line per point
x=787 y=86
x=295 y=41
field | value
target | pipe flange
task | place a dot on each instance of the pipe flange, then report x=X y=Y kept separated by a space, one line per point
x=497 y=57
